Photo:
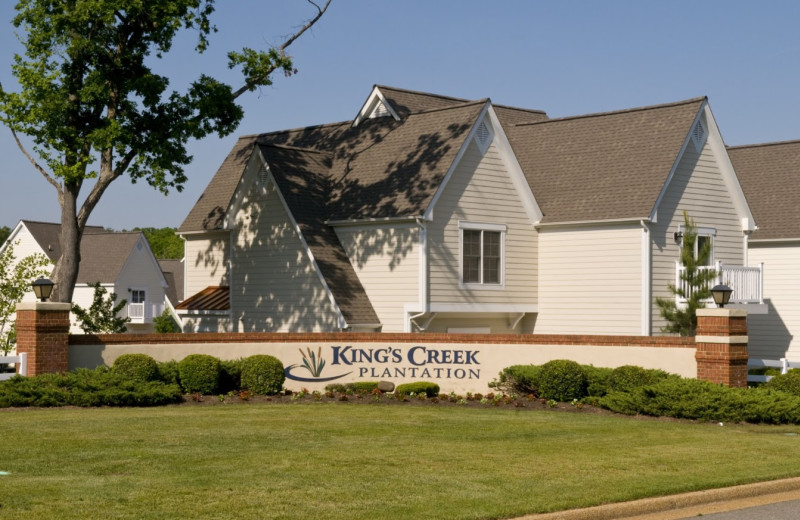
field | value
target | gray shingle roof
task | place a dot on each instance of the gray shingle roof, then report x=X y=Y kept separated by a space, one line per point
x=768 y=174
x=602 y=166
x=173 y=273
x=103 y=253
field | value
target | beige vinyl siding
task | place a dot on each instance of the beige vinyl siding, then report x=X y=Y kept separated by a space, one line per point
x=698 y=188
x=275 y=285
x=386 y=259
x=777 y=334
x=590 y=280
x=480 y=191
x=206 y=261
x=496 y=324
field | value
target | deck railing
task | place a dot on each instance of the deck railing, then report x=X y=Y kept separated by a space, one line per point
x=144 y=312
x=747 y=282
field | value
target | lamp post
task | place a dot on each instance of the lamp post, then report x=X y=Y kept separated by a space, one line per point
x=721 y=294
x=43 y=288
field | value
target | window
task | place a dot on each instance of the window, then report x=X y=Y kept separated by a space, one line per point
x=482 y=253
x=704 y=241
x=137 y=296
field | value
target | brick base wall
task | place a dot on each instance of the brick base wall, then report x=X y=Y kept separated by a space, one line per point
x=43 y=333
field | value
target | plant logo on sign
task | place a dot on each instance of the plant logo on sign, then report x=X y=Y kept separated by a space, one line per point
x=314 y=363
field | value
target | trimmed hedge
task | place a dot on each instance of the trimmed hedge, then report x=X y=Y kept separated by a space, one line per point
x=521 y=379
x=419 y=387
x=230 y=377
x=138 y=367
x=84 y=387
x=788 y=382
x=629 y=377
x=562 y=380
x=262 y=374
x=199 y=373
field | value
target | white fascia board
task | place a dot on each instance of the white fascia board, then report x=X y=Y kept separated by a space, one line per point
x=309 y=254
x=514 y=169
x=728 y=173
x=371 y=223
x=654 y=213
x=770 y=241
x=483 y=307
x=374 y=98
x=508 y=158
x=585 y=223
x=13 y=236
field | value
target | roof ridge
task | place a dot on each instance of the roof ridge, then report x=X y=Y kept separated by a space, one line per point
x=53 y=223
x=509 y=107
x=617 y=112
x=294 y=148
x=462 y=105
x=420 y=93
x=757 y=145
x=296 y=129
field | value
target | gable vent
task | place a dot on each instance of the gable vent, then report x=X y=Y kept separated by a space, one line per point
x=380 y=110
x=483 y=136
x=263 y=176
x=699 y=135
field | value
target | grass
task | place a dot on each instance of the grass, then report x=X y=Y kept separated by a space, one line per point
x=319 y=461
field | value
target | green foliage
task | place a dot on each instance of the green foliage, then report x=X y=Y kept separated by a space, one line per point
x=419 y=387
x=230 y=377
x=358 y=387
x=95 y=109
x=628 y=377
x=263 y=374
x=15 y=281
x=519 y=379
x=168 y=372
x=102 y=316
x=137 y=367
x=199 y=373
x=683 y=319
x=164 y=242
x=83 y=387
x=5 y=232
x=705 y=401
x=788 y=382
x=597 y=380
x=165 y=324
x=562 y=380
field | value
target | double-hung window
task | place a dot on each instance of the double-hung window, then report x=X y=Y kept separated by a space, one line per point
x=482 y=248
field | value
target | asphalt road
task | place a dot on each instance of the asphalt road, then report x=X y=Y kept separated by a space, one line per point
x=789 y=510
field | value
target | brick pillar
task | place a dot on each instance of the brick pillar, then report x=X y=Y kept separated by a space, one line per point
x=43 y=333
x=722 y=346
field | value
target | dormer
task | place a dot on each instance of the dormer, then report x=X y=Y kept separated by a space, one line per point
x=375 y=107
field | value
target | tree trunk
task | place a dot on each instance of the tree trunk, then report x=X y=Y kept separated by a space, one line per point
x=66 y=272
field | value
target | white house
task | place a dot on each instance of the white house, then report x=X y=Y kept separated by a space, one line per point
x=122 y=262
x=432 y=213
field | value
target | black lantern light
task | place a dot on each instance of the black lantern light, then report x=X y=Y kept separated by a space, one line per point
x=721 y=294
x=43 y=288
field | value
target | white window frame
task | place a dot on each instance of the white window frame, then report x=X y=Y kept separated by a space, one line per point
x=482 y=226
x=137 y=289
x=706 y=232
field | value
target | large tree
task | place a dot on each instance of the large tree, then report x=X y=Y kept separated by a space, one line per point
x=95 y=111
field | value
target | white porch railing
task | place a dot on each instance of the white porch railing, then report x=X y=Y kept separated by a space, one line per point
x=747 y=282
x=144 y=312
x=783 y=363
x=20 y=359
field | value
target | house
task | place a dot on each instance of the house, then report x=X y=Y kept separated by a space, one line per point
x=123 y=263
x=433 y=213
x=768 y=174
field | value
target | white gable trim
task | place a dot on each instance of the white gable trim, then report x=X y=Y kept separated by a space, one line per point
x=374 y=99
x=153 y=261
x=13 y=236
x=271 y=182
x=509 y=159
x=714 y=140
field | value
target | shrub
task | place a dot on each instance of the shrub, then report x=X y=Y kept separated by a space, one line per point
x=597 y=380
x=137 y=367
x=83 y=387
x=562 y=380
x=628 y=377
x=789 y=382
x=230 y=377
x=262 y=374
x=199 y=373
x=165 y=324
x=521 y=379
x=429 y=389
x=168 y=372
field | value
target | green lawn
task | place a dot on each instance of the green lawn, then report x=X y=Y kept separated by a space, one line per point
x=318 y=460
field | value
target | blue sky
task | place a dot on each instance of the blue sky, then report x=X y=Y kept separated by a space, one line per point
x=564 y=57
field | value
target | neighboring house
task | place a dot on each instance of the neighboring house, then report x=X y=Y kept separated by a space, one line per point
x=769 y=177
x=434 y=213
x=123 y=263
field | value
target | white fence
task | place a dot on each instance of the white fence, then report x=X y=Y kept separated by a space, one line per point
x=21 y=360
x=747 y=282
x=783 y=363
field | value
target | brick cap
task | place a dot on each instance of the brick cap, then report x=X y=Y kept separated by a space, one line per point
x=43 y=306
x=728 y=313
x=731 y=340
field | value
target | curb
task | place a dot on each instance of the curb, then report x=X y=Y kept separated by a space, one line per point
x=672 y=502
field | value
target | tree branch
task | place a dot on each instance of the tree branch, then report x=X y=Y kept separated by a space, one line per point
x=282 y=49
x=36 y=165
